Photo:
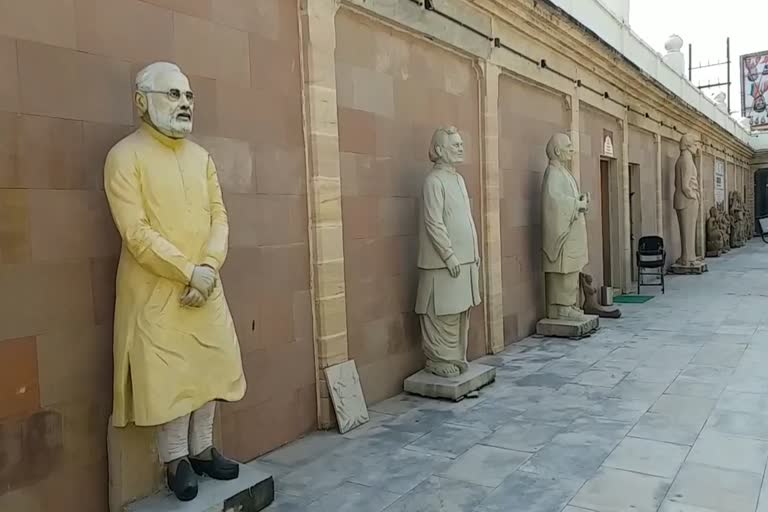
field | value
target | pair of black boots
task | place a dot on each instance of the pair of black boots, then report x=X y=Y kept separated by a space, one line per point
x=183 y=483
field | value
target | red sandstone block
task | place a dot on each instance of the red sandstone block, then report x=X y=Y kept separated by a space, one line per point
x=19 y=387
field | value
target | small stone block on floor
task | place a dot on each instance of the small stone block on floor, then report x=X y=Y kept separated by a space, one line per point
x=252 y=491
x=567 y=328
x=698 y=267
x=454 y=388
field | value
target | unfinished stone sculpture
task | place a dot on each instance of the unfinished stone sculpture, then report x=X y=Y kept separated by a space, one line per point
x=725 y=226
x=592 y=305
x=175 y=348
x=347 y=396
x=737 y=220
x=714 y=234
x=686 y=203
x=448 y=261
x=564 y=237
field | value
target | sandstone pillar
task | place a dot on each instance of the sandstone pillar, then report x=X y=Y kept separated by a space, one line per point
x=491 y=211
x=659 y=177
x=324 y=193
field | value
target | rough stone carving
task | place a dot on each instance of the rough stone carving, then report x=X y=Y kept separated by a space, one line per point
x=592 y=305
x=714 y=234
x=347 y=396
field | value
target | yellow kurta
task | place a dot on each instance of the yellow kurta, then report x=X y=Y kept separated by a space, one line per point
x=169 y=359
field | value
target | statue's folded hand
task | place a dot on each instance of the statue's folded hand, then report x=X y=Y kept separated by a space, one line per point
x=192 y=298
x=203 y=280
x=454 y=267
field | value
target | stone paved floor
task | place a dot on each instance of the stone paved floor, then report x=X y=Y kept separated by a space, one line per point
x=665 y=409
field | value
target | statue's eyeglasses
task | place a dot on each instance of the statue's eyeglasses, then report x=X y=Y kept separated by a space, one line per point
x=174 y=94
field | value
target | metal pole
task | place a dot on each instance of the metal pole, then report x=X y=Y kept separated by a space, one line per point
x=690 y=62
x=728 y=63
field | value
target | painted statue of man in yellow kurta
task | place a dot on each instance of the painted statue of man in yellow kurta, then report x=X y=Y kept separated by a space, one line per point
x=175 y=348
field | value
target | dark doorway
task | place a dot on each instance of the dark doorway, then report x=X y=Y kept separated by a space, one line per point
x=761 y=196
x=605 y=214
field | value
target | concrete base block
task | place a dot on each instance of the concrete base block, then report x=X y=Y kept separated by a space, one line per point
x=698 y=267
x=252 y=491
x=567 y=328
x=454 y=388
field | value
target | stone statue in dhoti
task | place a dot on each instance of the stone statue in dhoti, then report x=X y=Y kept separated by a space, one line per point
x=175 y=348
x=448 y=261
x=564 y=237
x=686 y=200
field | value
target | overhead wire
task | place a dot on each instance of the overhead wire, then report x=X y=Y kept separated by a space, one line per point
x=542 y=64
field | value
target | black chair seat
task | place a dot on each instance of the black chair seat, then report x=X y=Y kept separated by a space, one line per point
x=650 y=255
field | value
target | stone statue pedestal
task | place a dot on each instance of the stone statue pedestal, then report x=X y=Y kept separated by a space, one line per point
x=697 y=267
x=714 y=254
x=252 y=491
x=453 y=388
x=137 y=479
x=568 y=328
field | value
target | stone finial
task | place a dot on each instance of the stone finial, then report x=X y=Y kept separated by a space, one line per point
x=674 y=43
x=674 y=56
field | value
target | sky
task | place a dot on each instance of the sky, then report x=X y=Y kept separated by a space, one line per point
x=706 y=28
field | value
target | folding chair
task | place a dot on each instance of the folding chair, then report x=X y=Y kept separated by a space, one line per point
x=650 y=255
x=763 y=222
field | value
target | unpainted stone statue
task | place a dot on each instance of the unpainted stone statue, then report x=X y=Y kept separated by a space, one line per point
x=175 y=348
x=564 y=237
x=592 y=305
x=448 y=261
x=737 y=220
x=714 y=233
x=686 y=200
x=724 y=225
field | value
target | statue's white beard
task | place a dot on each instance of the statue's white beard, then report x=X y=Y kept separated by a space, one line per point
x=169 y=124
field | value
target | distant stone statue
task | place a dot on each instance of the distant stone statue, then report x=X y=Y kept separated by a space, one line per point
x=175 y=348
x=448 y=261
x=686 y=200
x=736 y=219
x=714 y=234
x=727 y=229
x=592 y=305
x=564 y=237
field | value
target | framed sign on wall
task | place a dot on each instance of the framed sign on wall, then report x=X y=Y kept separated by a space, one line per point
x=719 y=181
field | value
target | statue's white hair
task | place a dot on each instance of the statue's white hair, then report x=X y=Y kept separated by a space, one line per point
x=440 y=139
x=145 y=79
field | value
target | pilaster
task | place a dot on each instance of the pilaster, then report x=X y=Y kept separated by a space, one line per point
x=659 y=184
x=326 y=240
x=626 y=220
x=575 y=101
x=491 y=210
x=701 y=220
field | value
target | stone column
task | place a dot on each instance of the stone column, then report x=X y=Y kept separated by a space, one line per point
x=626 y=242
x=575 y=101
x=701 y=220
x=491 y=212
x=326 y=240
x=659 y=178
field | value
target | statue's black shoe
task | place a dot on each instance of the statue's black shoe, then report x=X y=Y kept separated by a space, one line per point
x=184 y=482
x=219 y=467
